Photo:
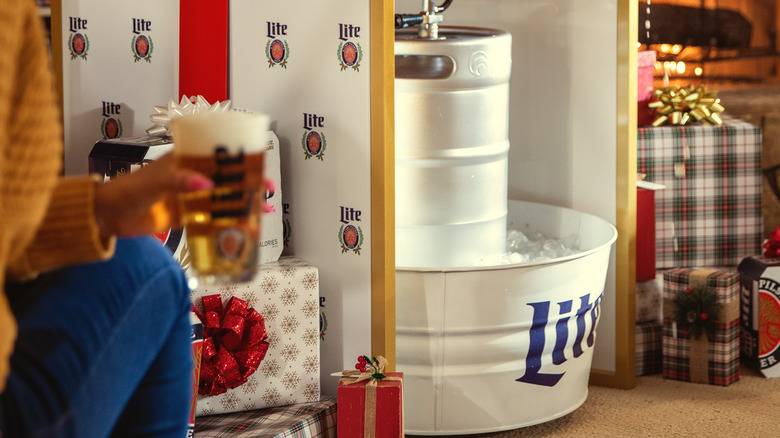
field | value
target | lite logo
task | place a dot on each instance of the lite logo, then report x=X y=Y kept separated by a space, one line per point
x=141 y=44
x=78 y=42
x=350 y=53
x=313 y=140
x=277 y=51
x=350 y=236
x=585 y=318
x=111 y=126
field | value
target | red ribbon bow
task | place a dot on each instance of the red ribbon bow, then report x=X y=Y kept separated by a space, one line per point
x=772 y=246
x=234 y=344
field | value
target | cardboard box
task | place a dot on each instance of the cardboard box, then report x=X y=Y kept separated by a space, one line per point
x=760 y=314
x=113 y=158
x=286 y=294
x=387 y=416
x=709 y=213
x=711 y=358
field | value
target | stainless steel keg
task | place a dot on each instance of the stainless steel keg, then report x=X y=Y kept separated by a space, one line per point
x=452 y=145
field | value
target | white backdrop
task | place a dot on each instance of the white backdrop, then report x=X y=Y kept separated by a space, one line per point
x=108 y=83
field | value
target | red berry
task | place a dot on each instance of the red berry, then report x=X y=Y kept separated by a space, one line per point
x=687 y=290
x=703 y=316
x=358 y=365
x=361 y=359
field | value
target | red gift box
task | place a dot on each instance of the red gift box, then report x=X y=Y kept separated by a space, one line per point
x=645 y=65
x=645 y=230
x=355 y=416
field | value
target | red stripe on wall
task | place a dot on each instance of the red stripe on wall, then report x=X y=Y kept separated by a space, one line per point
x=203 y=49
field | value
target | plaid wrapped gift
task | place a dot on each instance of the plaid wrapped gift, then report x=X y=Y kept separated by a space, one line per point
x=649 y=348
x=310 y=420
x=700 y=359
x=649 y=294
x=709 y=214
x=286 y=294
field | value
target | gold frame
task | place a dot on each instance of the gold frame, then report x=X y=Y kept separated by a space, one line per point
x=383 y=180
x=625 y=192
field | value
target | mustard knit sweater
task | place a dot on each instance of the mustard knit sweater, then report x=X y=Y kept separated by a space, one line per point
x=45 y=221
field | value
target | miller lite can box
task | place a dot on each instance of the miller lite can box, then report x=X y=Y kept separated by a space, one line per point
x=261 y=344
x=760 y=314
x=113 y=158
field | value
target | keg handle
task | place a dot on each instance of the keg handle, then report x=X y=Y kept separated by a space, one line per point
x=428 y=19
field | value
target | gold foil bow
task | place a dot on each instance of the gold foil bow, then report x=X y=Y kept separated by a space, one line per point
x=161 y=119
x=681 y=106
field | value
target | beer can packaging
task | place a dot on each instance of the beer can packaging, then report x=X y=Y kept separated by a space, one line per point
x=113 y=158
x=760 y=314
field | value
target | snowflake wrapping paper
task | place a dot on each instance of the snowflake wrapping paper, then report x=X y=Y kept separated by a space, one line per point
x=286 y=294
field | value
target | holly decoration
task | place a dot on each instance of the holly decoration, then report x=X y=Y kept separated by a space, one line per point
x=696 y=312
x=371 y=366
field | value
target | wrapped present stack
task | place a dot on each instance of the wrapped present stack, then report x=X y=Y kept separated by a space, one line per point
x=648 y=285
x=649 y=326
x=701 y=326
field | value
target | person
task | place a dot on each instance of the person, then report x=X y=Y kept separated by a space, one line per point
x=94 y=318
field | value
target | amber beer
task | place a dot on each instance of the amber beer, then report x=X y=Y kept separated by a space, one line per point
x=223 y=224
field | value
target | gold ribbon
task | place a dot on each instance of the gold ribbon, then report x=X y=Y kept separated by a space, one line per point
x=699 y=354
x=369 y=412
x=680 y=106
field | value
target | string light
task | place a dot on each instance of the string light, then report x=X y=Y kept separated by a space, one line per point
x=647 y=23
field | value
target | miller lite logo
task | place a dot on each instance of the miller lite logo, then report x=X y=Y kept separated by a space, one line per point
x=111 y=125
x=313 y=141
x=141 y=44
x=585 y=317
x=276 y=50
x=78 y=42
x=350 y=236
x=350 y=53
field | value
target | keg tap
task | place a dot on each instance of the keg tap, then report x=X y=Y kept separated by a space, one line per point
x=428 y=19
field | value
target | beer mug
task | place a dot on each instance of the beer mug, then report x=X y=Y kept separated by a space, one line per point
x=223 y=224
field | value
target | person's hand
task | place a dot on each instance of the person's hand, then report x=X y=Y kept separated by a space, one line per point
x=144 y=202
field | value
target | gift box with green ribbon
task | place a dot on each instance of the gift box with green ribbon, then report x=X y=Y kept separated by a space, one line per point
x=701 y=326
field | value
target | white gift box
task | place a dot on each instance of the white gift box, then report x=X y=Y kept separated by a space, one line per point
x=286 y=294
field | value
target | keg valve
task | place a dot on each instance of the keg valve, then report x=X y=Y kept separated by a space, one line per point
x=428 y=19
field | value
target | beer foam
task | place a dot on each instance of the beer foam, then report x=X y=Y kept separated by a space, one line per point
x=202 y=133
